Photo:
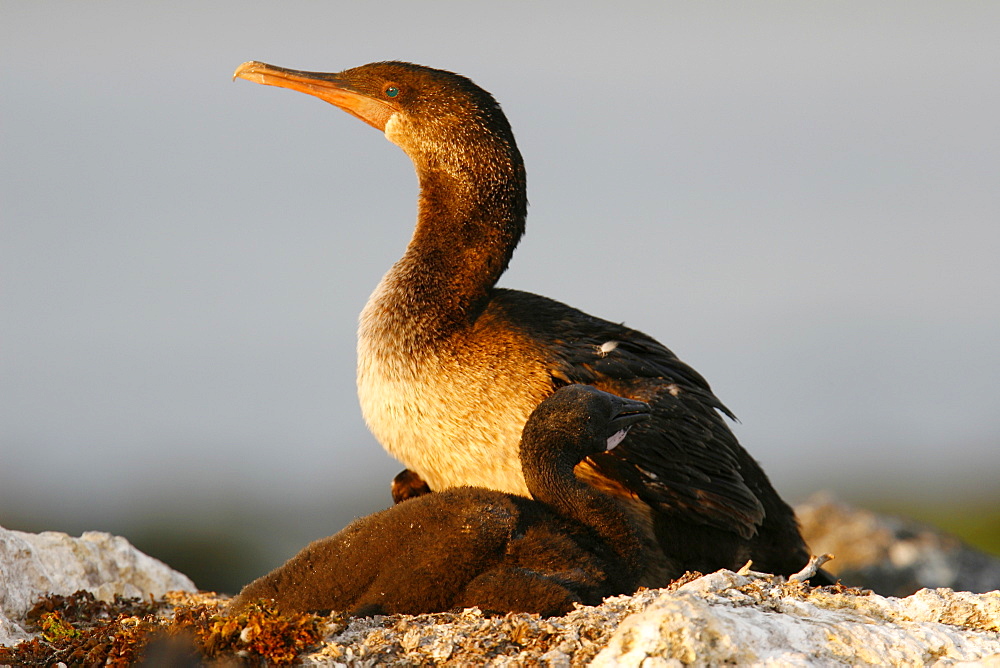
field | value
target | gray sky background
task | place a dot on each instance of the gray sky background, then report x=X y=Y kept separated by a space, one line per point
x=800 y=199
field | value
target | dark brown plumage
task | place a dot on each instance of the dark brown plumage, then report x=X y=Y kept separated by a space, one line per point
x=468 y=546
x=450 y=366
x=408 y=485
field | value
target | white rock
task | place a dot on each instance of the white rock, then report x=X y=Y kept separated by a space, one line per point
x=725 y=618
x=34 y=565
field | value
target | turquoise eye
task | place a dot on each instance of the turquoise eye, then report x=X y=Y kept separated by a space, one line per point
x=392 y=91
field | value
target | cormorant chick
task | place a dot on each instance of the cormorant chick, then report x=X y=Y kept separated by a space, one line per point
x=469 y=546
x=450 y=366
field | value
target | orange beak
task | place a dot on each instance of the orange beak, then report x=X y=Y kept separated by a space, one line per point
x=327 y=87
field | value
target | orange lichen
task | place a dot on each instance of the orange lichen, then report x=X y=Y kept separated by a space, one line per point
x=259 y=631
x=79 y=630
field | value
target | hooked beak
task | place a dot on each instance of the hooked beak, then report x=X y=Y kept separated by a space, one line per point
x=628 y=413
x=327 y=87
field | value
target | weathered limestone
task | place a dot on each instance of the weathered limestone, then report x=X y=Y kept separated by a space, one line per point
x=32 y=565
x=727 y=618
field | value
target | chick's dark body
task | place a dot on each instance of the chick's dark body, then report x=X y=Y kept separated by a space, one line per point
x=469 y=546
x=387 y=562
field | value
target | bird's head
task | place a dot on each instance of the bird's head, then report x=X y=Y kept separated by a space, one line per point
x=582 y=420
x=434 y=115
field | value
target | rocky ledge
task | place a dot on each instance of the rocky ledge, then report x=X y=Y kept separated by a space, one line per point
x=33 y=565
x=723 y=617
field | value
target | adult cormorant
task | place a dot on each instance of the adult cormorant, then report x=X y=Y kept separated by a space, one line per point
x=450 y=366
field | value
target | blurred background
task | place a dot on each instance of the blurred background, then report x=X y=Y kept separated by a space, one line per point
x=801 y=200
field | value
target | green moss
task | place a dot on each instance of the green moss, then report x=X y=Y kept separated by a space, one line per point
x=55 y=628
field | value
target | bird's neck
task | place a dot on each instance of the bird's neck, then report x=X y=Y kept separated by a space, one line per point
x=550 y=479
x=471 y=216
